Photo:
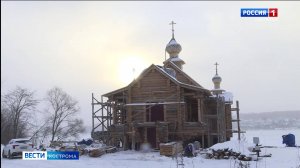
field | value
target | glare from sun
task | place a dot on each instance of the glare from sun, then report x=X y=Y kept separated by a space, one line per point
x=130 y=68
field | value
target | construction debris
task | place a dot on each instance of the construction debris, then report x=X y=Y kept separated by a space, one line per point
x=226 y=154
x=97 y=152
x=86 y=142
x=110 y=149
x=64 y=146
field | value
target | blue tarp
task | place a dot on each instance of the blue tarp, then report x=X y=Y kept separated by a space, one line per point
x=289 y=140
x=86 y=142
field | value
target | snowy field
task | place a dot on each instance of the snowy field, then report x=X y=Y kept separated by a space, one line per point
x=282 y=157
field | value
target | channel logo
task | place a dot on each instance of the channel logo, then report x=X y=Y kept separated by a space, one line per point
x=259 y=12
x=34 y=155
x=50 y=155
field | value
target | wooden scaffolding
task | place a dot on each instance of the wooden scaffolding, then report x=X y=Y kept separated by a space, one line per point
x=101 y=120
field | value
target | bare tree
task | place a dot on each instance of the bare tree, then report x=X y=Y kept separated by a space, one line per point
x=62 y=115
x=6 y=125
x=16 y=109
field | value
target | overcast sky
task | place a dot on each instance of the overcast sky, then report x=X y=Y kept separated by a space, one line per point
x=93 y=47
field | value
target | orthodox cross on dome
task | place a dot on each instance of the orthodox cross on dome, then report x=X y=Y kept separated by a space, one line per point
x=216 y=64
x=172 y=23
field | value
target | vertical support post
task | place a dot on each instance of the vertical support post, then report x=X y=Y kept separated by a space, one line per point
x=124 y=143
x=109 y=115
x=218 y=119
x=180 y=117
x=202 y=144
x=102 y=109
x=93 y=124
x=133 y=138
x=208 y=138
x=114 y=113
x=165 y=112
x=238 y=119
x=199 y=111
x=145 y=114
x=129 y=117
x=157 y=132
x=145 y=140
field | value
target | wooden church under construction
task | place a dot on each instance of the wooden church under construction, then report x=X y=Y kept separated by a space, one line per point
x=164 y=104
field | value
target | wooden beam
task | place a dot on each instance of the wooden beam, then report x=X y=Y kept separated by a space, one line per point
x=179 y=110
x=238 y=118
x=202 y=143
x=160 y=91
x=129 y=117
x=158 y=103
x=199 y=110
x=189 y=94
x=133 y=139
x=210 y=115
x=234 y=109
x=236 y=131
x=145 y=114
x=165 y=113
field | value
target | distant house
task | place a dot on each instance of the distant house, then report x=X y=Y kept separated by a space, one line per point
x=164 y=104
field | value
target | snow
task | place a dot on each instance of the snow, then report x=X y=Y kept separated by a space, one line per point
x=163 y=70
x=282 y=157
x=170 y=143
x=270 y=137
x=176 y=59
x=21 y=139
x=228 y=96
x=170 y=71
x=172 y=42
x=235 y=145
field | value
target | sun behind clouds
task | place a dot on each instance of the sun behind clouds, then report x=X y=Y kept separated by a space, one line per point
x=130 y=67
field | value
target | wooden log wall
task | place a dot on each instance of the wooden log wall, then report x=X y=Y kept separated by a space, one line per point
x=228 y=120
x=154 y=87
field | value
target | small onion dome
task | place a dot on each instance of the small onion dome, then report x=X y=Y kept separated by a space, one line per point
x=216 y=79
x=173 y=48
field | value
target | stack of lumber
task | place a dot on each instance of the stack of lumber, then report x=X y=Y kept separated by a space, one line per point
x=96 y=152
x=170 y=149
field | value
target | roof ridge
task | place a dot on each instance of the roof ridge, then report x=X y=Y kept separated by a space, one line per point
x=185 y=74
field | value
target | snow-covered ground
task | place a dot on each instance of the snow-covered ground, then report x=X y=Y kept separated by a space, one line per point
x=270 y=137
x=282 y=157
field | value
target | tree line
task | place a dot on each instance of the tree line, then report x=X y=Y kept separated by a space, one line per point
x=59 y=121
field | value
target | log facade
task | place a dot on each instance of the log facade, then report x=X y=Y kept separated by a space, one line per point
x=162 y=105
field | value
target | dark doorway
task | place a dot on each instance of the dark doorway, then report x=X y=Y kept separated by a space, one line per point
x=155 y=113
x=191 y=110
x=151 y=136
x=215 y=140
